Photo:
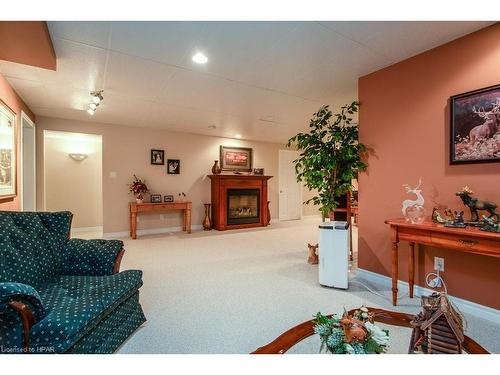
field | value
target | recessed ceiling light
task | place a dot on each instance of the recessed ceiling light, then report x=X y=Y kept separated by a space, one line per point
x=237 y=136
x=199 y=58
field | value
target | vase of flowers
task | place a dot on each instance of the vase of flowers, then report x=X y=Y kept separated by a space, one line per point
x=138 y=187
x=351 y=334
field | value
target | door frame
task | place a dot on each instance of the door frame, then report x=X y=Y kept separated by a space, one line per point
x=26 y=120
x=301 y=192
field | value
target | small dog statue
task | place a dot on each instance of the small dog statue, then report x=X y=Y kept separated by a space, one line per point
x=313 y=255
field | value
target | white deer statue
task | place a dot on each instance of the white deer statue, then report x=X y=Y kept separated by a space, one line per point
x=417 y=202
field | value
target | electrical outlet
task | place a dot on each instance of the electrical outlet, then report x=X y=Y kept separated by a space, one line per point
x=439 y=264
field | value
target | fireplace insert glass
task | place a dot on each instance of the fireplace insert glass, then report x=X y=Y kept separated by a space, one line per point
x=243 y=206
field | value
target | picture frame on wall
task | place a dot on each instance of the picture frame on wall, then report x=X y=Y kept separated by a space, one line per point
x=8 y=150
x=173 y=166
x=158 y=157
x=475 y=126
x=236 y=158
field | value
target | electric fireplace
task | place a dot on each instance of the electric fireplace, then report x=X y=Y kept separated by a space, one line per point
x=239 y=201
x=243 y=206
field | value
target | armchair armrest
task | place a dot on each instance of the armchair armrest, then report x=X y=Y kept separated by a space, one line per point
x=10 y=291
x=91 y=257
x=23 y=301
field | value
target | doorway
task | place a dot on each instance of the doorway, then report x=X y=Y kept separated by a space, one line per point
x=73 y=179
x=28 y=164
x=290 y=191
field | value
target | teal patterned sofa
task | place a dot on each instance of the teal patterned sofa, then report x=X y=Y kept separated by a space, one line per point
x=61 y=295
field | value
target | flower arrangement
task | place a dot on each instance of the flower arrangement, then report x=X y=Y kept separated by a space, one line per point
x=356 y=334
x=138 y=187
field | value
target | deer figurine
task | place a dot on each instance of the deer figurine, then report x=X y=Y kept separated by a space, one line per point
x=417 y=202
x=490 y=125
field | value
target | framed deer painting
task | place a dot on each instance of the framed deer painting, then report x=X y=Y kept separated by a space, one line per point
x=475 y=126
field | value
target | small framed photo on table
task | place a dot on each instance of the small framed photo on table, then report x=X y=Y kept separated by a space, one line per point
x=168 y=198
x=155 y=198
x=258 y=171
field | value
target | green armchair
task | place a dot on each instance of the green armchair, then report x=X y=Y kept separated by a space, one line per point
x=61 y=295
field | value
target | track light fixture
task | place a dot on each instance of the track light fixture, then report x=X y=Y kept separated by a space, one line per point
x=96 y=100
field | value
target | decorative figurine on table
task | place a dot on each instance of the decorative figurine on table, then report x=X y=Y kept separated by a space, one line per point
x=489 y=225
x=413 y=210
x=448 y=214
x=437 y=218
x=438 y=328
x=458 y=221
x=475 y=204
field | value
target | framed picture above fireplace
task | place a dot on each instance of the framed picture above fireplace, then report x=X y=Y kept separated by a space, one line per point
x=236 y=158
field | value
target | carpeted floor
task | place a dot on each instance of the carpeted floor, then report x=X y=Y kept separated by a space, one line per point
x=234 y=291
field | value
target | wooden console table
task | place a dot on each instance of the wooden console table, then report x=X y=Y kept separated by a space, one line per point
x=136 y=208
x=469 y=240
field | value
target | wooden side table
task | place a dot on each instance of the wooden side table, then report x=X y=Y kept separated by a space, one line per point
x=468 y=240
x=137 y=208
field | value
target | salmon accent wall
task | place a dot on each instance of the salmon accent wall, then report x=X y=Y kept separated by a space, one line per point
x=404 y=117
x=16 y=104
x=27 y=42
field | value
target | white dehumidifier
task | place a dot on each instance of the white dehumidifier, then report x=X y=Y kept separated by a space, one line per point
x=334 y=254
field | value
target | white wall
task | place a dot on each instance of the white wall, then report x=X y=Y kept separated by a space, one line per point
x=74 y=185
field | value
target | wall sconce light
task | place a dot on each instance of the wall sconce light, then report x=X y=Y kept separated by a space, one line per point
x=97 y=98
x=78 y=157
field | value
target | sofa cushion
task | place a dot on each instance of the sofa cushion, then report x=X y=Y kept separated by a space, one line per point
x=30 y=246
x=89 y=257
x=75 y=304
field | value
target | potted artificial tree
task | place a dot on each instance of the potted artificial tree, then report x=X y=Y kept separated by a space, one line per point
x=330 y=156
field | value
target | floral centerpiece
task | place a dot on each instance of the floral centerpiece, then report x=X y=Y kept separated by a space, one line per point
x=356 y=334
x=138 y=187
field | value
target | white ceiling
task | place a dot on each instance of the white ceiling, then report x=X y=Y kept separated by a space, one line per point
x=278 y=71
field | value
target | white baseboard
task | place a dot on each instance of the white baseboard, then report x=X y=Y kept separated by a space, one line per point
x=311 y=216
x=86 y=229
x=469 y=307
x=145 y=232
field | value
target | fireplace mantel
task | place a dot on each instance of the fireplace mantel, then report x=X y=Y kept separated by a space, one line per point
x=222 y=184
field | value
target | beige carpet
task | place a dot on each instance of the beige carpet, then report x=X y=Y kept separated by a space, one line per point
x=234 y=291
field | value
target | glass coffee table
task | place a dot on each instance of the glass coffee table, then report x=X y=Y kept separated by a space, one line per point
x=302 y=339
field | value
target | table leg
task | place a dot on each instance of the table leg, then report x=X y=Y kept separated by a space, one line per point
x=184 y=221
x=188 y=220
x=411 y=269
x=133 y=225
x=394 y=273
